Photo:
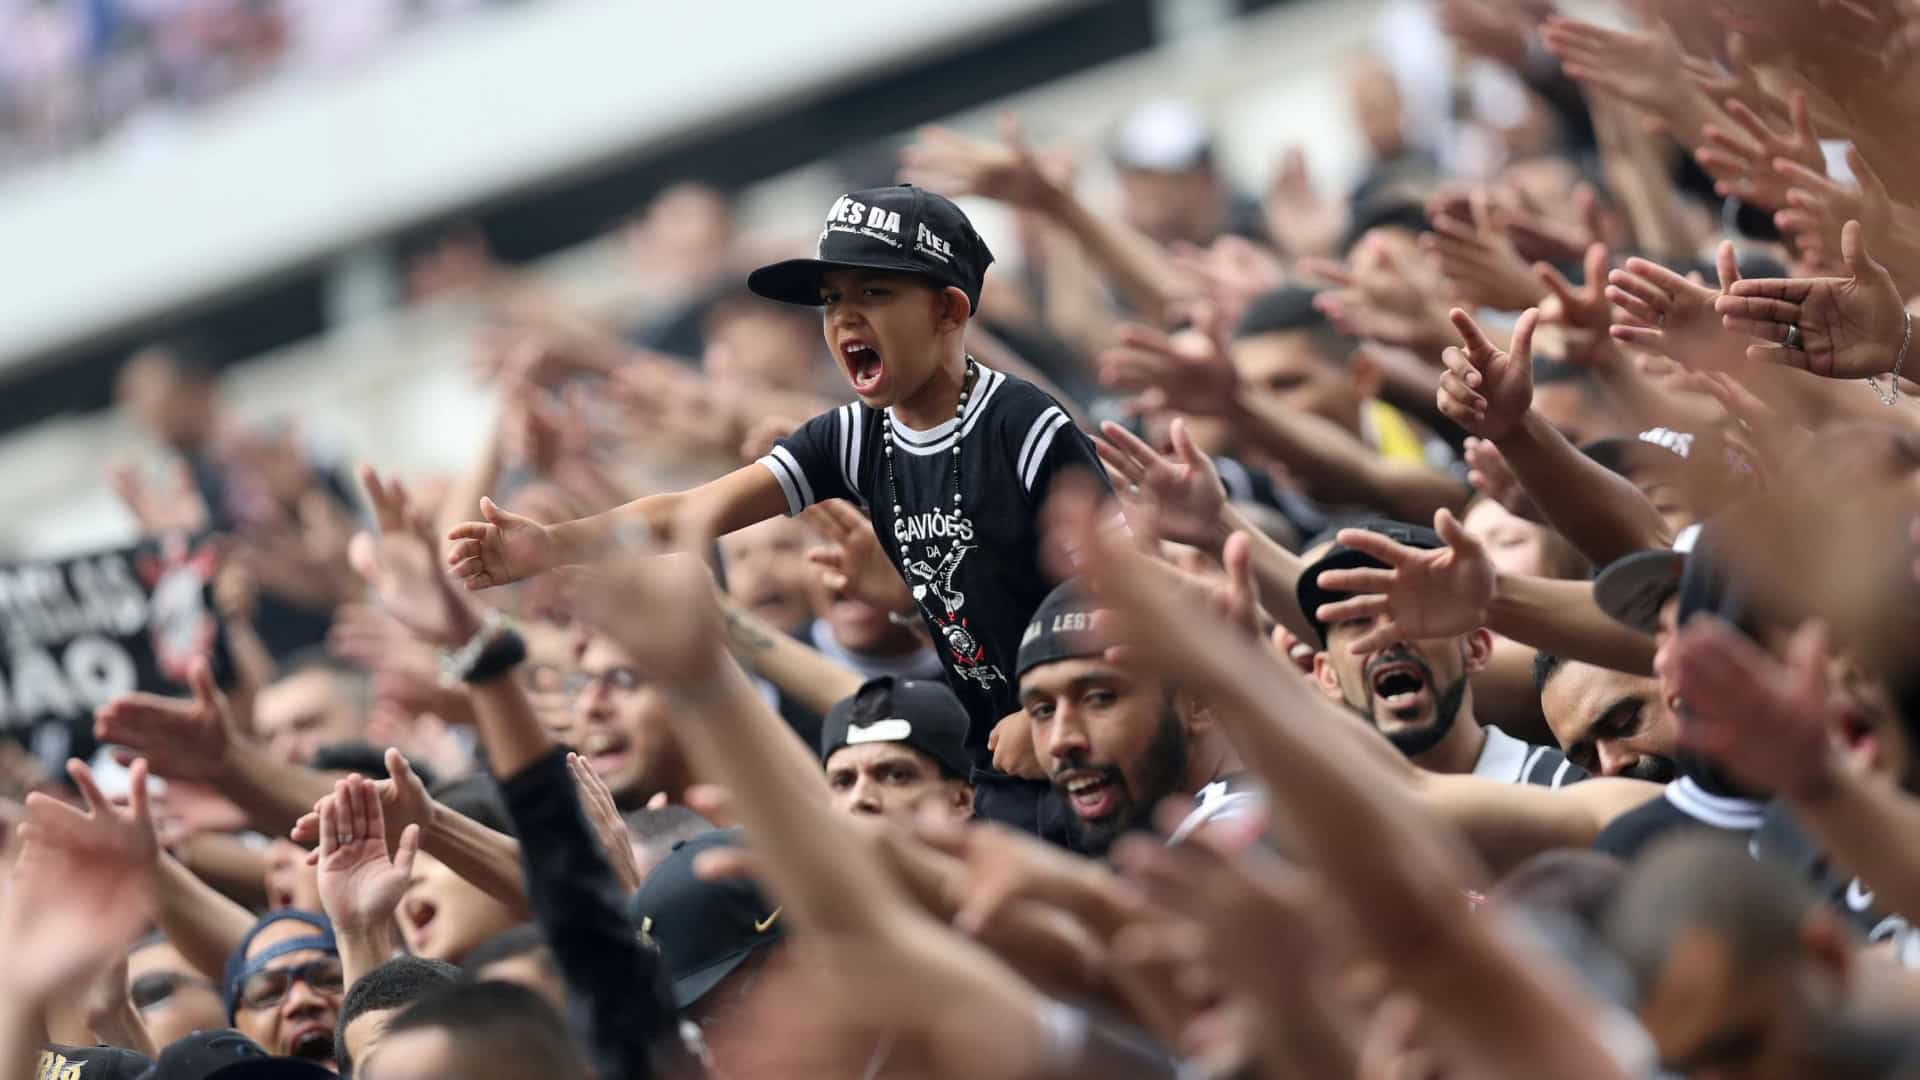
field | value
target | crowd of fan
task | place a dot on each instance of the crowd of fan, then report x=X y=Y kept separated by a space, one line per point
x=1461 y=627
x=72 y=71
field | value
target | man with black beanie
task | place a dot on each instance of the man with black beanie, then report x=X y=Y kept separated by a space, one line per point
x=1115 y=743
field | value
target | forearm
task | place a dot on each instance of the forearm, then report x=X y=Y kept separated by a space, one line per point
x=1560 y=617
x=1276 y=571
x=1136 y=266
x=487 y=860
x=363 y=948
x=480 y=479
x=21 y=1036
x=227 y=864
x=1599 y=511
x=204 y=925
x=252 y=661
x=274 y=793
x=732 y=739
x=801 y=672
x=584 y=539
x=121 y=1026
x=1336 y=466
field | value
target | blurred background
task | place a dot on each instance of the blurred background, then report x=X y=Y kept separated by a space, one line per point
x=318 y=202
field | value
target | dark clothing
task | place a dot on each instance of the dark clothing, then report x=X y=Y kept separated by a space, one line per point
x=1684 y=805
x=617 y=993
x=1781 y=839
x=973 y=565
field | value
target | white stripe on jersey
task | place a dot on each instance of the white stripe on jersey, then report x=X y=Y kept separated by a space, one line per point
x=1720 y=811
x=793 y=479
x=850 y=433
x=1039 y=438
x=941 y=438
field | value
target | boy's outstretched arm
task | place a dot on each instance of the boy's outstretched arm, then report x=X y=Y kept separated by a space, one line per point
x=505 y=547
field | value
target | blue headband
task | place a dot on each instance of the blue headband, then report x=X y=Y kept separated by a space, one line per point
x=240 y=965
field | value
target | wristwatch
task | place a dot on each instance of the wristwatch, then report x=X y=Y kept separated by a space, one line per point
x=495 y=649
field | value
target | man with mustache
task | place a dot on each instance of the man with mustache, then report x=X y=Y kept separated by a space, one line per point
x=1416 y=692
x=1115 y=742
x=1611 y=723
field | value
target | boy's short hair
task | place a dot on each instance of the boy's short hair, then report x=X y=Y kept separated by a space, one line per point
x=495 y=1029
x=1290 y=309
x=527 y=939
x=399 y=982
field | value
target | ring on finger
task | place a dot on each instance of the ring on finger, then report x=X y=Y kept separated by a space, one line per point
x=1792 y=340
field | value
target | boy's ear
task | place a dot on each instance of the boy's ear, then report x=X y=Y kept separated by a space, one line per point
x=955 y=309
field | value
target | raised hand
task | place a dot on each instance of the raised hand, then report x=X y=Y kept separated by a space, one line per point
x=1635 y=66
x=1582 y=312
x=1481 y=262
x=1743 y=163
x=596 y=801
x=1485 y=389
x=403 y=801
x=1423 y=593
x=852 y=560
x=1188 y=373
x=1301 y=218
x=500 y=550
x=182 y=739
x=1819 y=208
x=360 y=883
x=1853 y=327
x=662 y=609
x=1769 y=722
x=1011 y=744
x=1393 y=295
x=1008 y=171
x=176 y=506
x=1490 y=475
x=1674 y=316
x=1189 y=502
x=398 y=562
x=81 y=890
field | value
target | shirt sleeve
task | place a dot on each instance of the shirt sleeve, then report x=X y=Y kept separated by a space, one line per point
x=820 y=461
x=617 y=993
x=1051 y=443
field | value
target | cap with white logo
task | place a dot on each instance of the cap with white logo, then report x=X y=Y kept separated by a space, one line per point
x=901 y=229
x=923 y=716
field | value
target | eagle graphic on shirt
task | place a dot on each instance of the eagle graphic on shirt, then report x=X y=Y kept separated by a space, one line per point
x=936 y=580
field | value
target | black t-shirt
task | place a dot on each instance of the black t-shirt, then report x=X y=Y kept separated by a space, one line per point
x=1683 y=805
x=975 y=573
x=1781 y=839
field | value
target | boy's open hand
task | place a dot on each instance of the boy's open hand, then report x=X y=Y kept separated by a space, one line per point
x=502 y=549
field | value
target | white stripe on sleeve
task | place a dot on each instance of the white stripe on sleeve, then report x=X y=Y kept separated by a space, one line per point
x=1041 y=438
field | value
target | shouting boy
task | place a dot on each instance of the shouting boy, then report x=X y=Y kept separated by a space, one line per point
x=950 y=459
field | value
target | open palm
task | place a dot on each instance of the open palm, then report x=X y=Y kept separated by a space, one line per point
x=1850 y=328
x=360 y=884
x=500 y=550
x=1188 y=500
x=398 y=562
x=1424 y=593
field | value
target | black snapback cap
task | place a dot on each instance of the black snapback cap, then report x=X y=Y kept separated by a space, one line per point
x=902 y=229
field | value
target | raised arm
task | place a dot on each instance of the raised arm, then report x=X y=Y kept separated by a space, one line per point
x=1364 y=832
x=1488 y=391
x=1010 y=172
x=506 y=547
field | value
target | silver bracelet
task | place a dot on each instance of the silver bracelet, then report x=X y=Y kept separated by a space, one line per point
x=455 y=663
x=1892 y=392
x=1066 y=1035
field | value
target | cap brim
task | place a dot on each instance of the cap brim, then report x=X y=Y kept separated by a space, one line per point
x=1631 y=590
x=690 y=988
x=797 y=281
x=1311 y=595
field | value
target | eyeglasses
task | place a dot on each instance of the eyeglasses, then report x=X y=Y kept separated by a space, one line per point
x=267 y=987
x=547 y=679
x=156 y=988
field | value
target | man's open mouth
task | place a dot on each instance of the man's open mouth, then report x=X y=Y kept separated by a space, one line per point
x=312 y=1043
x=1094 y=794
x=863 y=364
x=605 y=751
x=1402 y=686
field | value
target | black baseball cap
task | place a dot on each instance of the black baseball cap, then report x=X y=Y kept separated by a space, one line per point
x=1308 y=591
x=922 y=715
x=107 y=1062
x=1633 y=588
x=703 y=929
x=226 y=1054
x=1061 y=629
x=903 y=229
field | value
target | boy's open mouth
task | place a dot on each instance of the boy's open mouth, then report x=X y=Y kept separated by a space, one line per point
x=863 y=364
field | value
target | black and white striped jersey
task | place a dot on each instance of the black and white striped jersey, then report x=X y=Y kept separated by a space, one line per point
x=1510 y=761
x=973 y=566
x=1683 y=804
x=1225 y=799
